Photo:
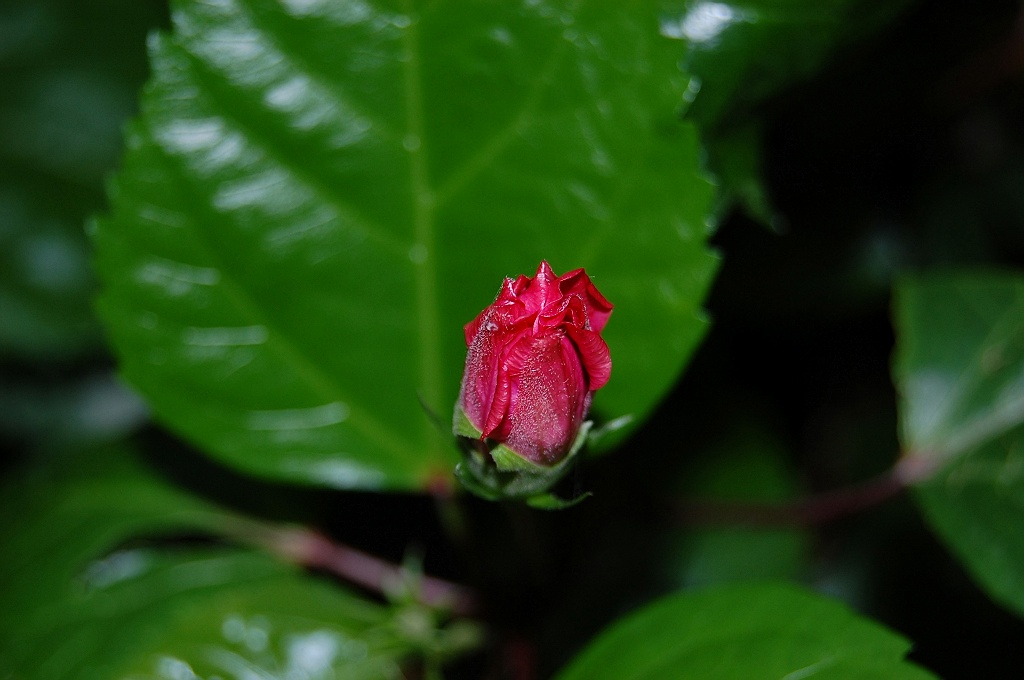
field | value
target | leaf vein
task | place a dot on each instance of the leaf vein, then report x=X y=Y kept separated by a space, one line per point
x=214 y=85
x=277 y=341
x=423 y=197
x=490 y=150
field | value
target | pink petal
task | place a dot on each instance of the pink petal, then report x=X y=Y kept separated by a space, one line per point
x=598 y=308
x=595 y=355
x=546 y=412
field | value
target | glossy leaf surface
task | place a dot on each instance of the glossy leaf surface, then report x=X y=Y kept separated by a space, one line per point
x=745 y=632
x=218 y=613
x=320 y=195
x=83 y=599
x=960 y=370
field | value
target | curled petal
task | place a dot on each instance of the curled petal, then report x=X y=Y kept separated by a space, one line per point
x=535 y=358
x=595 y=355
x=550 y=392
x=598 y=308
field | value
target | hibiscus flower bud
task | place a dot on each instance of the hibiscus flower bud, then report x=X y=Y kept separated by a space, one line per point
x=535 y=359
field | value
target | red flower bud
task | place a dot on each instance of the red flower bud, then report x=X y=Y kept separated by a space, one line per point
x=535 y=359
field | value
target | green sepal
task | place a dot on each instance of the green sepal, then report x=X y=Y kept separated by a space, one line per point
x=470 y=480
x=549 y=501
x=507 y=460
x=462 y=426
x=499 y=473
x=599 y=434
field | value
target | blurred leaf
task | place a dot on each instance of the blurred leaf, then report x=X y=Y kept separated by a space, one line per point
x=960 y=371
x=747 y=466
x=319 y=196
x=745 y=632
x=740 y=53
x=214 y=613
x=60 y=515
x=89 y=409
x=45 y=282
x=960 y=364
x=66 y=96
x=737 y=156
x=82 y=601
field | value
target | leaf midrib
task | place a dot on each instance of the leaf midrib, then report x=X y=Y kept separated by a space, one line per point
x=423 y=215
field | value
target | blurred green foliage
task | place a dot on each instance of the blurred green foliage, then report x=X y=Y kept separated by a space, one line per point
x=70 y=74
x=960 y=372
x=151 y=606
x=67 y=94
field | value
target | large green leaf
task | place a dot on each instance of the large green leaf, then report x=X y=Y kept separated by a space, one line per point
x=319 y=196
x=65 y=97
x=745 y=632
x=83 y=599
x=960 y=371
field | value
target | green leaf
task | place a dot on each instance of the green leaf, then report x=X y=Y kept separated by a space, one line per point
x=960 y=361
x=229 y=613
x=84 y=599
x=960 y=371
x=60 y=515
x=737 y=158
x=320 y=195
x=65 y=97
x=744 y=632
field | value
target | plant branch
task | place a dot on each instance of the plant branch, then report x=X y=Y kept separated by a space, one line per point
x=814 y=509
x=314 y=550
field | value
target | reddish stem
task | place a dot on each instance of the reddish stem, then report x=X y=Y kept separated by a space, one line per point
x=312 y=549
x=814 y=509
